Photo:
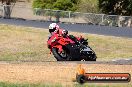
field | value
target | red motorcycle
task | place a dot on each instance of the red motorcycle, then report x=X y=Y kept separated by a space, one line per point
x=70 y=48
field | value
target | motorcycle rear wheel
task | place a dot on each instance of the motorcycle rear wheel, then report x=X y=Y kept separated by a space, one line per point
x=59 y=56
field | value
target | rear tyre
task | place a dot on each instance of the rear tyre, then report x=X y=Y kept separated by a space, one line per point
x=60 y=57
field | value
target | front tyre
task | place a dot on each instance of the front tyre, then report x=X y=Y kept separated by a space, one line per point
x=91 y=57
x=88 y=56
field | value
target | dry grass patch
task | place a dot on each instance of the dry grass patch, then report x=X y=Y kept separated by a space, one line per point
x=22 y=43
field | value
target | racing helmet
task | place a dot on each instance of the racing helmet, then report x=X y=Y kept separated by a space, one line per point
x=53 y=27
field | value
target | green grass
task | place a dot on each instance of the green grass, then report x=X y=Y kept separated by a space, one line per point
x=22 y=43
x=7 y=84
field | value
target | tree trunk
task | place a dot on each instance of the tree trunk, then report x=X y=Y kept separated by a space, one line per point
x=120 y=21
x=6 y=11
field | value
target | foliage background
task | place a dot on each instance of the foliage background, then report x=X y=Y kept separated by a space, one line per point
x=112 y=7
x=67 y=5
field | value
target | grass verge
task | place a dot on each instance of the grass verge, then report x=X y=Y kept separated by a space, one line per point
x=22 y=43
x=6 y=84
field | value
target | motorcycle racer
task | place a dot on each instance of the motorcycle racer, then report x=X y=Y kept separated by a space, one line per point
x=67 y=47
x=54 y=28
x=64 y=48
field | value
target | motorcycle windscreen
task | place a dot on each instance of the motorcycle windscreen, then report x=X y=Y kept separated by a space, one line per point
x=87 y=49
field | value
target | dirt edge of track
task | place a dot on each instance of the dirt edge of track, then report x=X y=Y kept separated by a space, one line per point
x=52 y=72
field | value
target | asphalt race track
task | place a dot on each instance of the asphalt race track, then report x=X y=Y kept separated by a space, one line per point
x=84 y=28
x=94 y=29
x=127 y=61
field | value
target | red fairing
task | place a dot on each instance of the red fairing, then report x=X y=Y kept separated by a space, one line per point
x=53 y=38
x=58 y=41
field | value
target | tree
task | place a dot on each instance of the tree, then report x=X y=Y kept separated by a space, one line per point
x=63 y=5
x=47 y=4
x=7 y=7
x=56 y=4
x=75 y=1
x=116 y=7
x=88 y=6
